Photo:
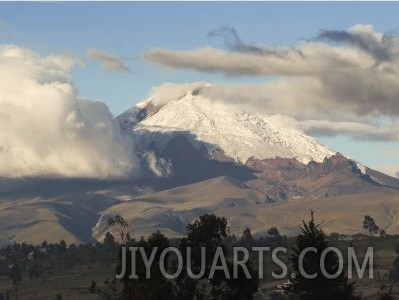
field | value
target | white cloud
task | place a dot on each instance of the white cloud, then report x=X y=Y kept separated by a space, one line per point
x=277 y=99
x=47 y=129
x=168 y=92
x=159 y=167
x=341 y=82
x=391 y=170
x=109 y=62
x=361 y=75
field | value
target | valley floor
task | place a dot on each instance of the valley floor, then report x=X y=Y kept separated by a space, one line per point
x=64 y=280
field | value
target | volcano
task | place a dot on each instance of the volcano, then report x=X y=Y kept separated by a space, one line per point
x=197 y=156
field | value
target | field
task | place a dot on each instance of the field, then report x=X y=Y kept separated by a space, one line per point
x=67 y=280
x=74 y=283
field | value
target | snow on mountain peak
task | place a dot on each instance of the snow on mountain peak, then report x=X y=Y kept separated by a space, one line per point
x=217 y=125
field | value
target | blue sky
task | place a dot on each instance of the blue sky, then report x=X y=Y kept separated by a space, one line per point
x=129 y=29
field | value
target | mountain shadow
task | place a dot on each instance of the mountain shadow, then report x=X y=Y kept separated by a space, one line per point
x=190 y=164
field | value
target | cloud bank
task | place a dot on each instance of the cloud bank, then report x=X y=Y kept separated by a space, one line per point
x=391 y=170
x=339 y=82
x=47 y=130
x=313 y=119
x=109 y=62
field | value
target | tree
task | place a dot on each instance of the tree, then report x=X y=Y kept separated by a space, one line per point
x=209 y=231
x=62 y=247
x=247 y=240
x=273 y=231
x=370 y=225
x=276 y=240
x=109 y=242
x=237 y=288
x=319 y=287
x=143 y=288
x=15 y=275
x=120 y=228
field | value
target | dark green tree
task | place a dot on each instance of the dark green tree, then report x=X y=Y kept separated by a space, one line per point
x=143 y=288
x=370 y=225
x=273 y=231
x=247 y=240
x=62 y=247
x=109 y=242
x=240 y=287
x=319 y=287
x=276 y=239
x=15 y=274
x=209 y=231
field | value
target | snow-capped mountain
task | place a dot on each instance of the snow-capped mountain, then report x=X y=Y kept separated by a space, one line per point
x=198 y=156
x=218 y=126
x=189 y=137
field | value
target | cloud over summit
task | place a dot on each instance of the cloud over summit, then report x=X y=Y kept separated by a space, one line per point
x=340 y=82
x=109 y=62
x=47 y=129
